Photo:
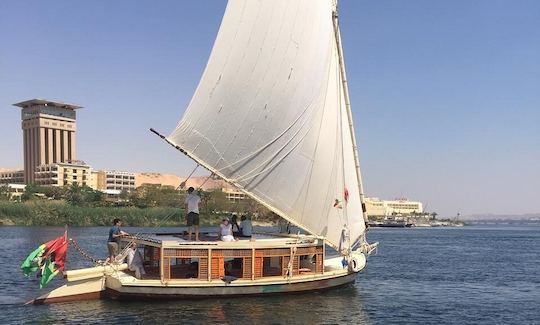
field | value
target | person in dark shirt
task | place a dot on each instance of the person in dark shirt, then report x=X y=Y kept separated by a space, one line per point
x=114 y=238
x=235 y=226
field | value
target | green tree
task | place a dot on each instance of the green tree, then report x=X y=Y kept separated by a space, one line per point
x=53 y=192
x=124 y=195
x=74 y=194
x=154 y=195
x=84 y=196
x=4 y=193
x=29 y=192
x=216 y=201
x=91 y=196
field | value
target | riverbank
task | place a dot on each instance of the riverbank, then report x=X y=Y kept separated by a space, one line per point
x=58 y=213
x=413 y=224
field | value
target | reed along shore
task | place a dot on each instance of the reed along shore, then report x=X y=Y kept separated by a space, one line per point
x=60 y=213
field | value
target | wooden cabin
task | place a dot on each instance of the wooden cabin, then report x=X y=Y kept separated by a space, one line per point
x=169 y=257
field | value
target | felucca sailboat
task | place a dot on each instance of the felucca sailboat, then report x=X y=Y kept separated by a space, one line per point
x=271 y=116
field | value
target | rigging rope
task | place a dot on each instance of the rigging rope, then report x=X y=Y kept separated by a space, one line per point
x=291 y=260
x=124 y=250
x=206 y=180
x=136 y=236
x=84 y=253
x=183 y=183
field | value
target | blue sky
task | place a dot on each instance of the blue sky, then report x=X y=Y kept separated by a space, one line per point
x=445 y=94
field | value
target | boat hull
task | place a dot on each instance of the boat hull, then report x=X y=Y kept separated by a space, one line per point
x=83 y=284
x=88 y=289
x=126 y=292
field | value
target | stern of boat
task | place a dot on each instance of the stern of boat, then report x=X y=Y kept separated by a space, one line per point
x=82 y=284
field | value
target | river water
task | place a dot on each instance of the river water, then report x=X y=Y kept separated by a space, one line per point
x=468 y=275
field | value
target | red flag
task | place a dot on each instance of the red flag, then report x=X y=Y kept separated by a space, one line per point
x=59 y=247
x=346 y=194
x=50 y=258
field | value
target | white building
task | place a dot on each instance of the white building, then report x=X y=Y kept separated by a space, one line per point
x=378 y=207
x=15 y=191
x=117 y=180
x=63 y=174
x=11 y=176
x=114 y=180
x=233 y=194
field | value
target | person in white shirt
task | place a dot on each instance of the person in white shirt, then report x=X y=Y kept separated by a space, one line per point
x=192 y=210
x=225 y=231
x=246 y=227
x=135 y=261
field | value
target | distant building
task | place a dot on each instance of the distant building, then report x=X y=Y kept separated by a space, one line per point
x=92 y=180
x=62 y=174
x=12 y=177
x=15 y=191
x=233 y=194
x=48 y=134
x=112 y=195
x=115 y=180
x=375 y=207
x=378 y=207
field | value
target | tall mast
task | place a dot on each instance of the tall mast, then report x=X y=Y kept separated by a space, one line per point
x=348 y=108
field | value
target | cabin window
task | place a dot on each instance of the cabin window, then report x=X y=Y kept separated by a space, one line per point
x=184 y=268
x=233 y=262
x=307 y=264
x=185 y=264
x=271 y=262
x=234 y=267
x=309 y=260
x=273 y=266
x=152 y=261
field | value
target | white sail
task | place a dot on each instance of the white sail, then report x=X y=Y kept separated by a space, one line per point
x=269 y=116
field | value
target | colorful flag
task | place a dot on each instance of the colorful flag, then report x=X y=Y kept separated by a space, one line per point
x=49 y=271
x=32 y=262
x=50 y=258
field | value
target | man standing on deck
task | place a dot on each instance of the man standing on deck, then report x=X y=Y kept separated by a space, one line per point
x=192 y=209
x=114 y=239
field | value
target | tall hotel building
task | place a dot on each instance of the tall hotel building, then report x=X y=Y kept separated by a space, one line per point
x=48 y=134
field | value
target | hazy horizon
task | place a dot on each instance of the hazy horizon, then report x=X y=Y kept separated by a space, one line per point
x=445 y=95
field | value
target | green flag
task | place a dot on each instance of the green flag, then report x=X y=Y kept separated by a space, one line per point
x=49 y=272
x=30 y=264
x=49 y=257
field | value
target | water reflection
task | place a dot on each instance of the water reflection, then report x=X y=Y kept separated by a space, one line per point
x=332 y=307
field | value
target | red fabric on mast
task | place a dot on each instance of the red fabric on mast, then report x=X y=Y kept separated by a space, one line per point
x=59 y=247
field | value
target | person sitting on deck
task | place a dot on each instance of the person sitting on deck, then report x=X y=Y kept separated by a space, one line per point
x=225 y=231
x=234 y=225
x=135 y=261
x=283 y=226
x=245 y=227
x=114 y=238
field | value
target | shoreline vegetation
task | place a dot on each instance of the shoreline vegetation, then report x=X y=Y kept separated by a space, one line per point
x=58 y=213
x=148 y=206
